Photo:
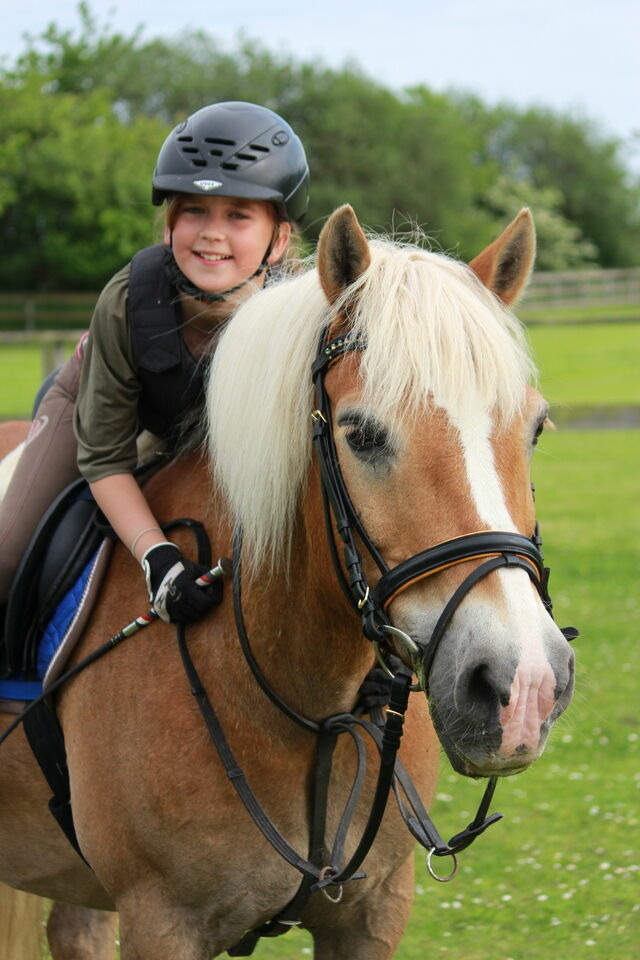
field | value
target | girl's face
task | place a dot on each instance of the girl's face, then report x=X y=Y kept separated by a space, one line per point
x=220 y=241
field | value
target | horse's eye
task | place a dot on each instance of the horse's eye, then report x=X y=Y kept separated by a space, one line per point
x=542 y=424
x=366 y=439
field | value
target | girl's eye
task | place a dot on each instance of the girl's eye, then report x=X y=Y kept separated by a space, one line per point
x=193 y=209
x=238 y=215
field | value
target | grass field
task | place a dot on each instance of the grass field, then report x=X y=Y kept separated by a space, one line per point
x=560 y=874
x=594 y=365
x=21 y=374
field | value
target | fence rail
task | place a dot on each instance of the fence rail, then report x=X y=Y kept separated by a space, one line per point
x=572 y=288
x=581 y=288
x=46 y=311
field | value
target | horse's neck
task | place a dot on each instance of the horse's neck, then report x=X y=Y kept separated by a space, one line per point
x=306 y=638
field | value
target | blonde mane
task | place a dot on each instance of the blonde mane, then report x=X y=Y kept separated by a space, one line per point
x=434 y=334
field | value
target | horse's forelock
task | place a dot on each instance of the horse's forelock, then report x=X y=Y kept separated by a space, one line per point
x=432 y=332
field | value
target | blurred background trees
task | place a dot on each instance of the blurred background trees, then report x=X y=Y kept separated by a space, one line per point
x=85 y=112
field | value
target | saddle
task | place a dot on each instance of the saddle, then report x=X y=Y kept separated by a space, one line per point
x=65 y=541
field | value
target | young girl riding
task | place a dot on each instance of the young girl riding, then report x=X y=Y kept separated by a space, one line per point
x=234 y=179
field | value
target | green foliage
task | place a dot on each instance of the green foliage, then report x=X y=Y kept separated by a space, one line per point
x=569 y=153
x=560 y=245
x=74 y=190
x=86 y=111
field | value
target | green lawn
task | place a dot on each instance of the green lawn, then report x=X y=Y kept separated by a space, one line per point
x=592 y=365
x=21 y=373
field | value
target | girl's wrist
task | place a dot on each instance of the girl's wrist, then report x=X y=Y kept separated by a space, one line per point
x=145 y=539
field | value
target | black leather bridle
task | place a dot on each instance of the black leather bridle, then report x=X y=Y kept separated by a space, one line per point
x=495 y=548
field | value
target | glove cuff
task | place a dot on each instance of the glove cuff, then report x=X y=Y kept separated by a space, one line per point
x=157 y=562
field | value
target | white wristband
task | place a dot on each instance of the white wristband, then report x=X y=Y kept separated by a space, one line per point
x=141 y=534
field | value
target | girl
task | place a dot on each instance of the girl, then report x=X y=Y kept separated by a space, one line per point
x=234 y=178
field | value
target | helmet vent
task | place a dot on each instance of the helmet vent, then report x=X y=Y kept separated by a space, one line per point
x=259 y=148
x=190 y=150
x=199 y=162
x=229 y=166
x=216 y=153
x=220 y=140
x=185 y=139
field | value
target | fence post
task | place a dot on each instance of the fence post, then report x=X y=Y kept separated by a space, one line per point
x=29 y=315
x=21 y=925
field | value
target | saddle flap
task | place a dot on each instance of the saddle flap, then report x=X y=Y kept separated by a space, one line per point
x=63 y=543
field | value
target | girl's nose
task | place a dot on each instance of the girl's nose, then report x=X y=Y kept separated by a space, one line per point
x=212 y=226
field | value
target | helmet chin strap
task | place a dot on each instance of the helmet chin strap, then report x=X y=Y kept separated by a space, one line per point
x=184 y=285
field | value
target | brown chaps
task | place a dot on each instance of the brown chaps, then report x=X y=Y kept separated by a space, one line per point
x=47 y=464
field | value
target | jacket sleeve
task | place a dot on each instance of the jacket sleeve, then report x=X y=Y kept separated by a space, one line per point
x=106 y=412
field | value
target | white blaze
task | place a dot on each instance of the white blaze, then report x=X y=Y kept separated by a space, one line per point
x=532 y=691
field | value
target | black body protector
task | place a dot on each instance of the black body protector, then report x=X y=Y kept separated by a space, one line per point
x=172 y=380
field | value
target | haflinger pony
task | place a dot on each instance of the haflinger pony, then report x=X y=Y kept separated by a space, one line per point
x=424 y=423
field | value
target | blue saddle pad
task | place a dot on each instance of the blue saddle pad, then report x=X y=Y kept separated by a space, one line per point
x=16 y=687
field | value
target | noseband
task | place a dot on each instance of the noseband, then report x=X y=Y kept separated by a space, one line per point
x=494 y=548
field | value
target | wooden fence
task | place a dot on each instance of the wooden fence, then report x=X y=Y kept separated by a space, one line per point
x=46 y=311
x=582 y=288
x=572 y=288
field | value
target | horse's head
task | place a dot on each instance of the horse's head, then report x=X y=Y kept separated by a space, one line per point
x=434 y=427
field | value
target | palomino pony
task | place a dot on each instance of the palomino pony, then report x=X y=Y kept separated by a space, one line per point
x=428 y=424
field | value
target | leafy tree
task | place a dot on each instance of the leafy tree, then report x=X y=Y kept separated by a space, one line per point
x=570 y=154
x=560 y=243
x=74 y=187
x=85 y=113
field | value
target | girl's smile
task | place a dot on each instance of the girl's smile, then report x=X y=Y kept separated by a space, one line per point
x=220 y=241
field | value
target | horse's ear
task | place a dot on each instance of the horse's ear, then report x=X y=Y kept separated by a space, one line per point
x=343 y=252
x=505 y=265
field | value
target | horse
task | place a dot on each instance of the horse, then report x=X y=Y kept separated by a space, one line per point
x=423 y=379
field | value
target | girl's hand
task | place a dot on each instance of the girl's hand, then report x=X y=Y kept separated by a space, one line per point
x=172 y=588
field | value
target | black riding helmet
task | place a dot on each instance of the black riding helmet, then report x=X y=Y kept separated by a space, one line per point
x=235 y=149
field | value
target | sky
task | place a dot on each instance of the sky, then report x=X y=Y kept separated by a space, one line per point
x=578 y=55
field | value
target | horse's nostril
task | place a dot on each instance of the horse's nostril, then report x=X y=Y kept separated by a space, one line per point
x=482 y=689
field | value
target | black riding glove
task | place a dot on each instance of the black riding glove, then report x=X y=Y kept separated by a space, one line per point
x=172 y=588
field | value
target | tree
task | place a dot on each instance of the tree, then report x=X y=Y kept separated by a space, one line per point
x=570 y=154
x=560 y=245
x=74 y=187
x=86 y=111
